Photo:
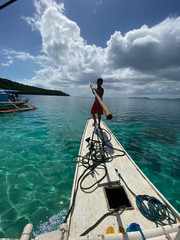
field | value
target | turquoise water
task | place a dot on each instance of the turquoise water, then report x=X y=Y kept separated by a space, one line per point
x=36 y=147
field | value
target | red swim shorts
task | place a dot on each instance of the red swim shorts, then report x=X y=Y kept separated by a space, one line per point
x=96 y=108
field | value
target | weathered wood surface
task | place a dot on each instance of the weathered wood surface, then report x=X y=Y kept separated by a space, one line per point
x=89 y=207
x=27 y=232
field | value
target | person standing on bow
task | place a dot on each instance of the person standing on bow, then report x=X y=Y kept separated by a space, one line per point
x=96 y=108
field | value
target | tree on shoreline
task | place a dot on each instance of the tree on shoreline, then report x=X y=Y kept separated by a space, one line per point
x=26 y=89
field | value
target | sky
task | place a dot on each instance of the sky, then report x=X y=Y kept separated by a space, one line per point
x=134 y=45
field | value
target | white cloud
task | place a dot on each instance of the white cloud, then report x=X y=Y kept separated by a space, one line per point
x=143 y=61
x=61 y=39
x=7 y=63
x=146 y=49
x=8 y=59
x=41 y=60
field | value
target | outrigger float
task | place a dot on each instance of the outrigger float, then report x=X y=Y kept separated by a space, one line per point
x=11 y=101
x=111 y=197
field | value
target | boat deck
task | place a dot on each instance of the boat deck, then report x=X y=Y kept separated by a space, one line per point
x=91 y=204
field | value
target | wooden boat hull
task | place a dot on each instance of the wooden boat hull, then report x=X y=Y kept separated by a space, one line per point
x=10 y=101
x=5 y=105
x=91 y=203
x=16 y=106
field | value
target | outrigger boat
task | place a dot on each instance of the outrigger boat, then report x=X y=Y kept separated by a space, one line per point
x=112 y=198
x=11 y=101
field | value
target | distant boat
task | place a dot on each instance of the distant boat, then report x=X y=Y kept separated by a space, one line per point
x=11 y=101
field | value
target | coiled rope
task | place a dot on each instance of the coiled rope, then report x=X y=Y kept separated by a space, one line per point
x=94 y=159
x=151 y=208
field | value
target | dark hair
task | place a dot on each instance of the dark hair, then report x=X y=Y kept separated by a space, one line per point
x=99 y=80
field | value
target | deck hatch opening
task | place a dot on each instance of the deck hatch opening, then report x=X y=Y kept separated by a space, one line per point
x=116 y=197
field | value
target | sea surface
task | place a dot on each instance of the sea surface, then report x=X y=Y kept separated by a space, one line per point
x=36 y=147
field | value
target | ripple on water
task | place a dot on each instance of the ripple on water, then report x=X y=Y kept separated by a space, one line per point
x=36 y=172
x=52 y=223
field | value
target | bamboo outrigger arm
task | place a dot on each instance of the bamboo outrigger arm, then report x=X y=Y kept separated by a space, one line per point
x=109 y=116
x=17 y=108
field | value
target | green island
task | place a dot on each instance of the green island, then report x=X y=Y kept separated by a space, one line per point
x=26 y=89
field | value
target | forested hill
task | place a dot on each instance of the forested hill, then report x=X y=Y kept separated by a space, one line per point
x=25 y=89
